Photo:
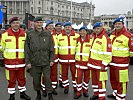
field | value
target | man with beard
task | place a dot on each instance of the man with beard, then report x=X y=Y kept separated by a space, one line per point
x=122 y=50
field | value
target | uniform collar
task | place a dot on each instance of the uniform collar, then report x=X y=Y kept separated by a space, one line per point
x=71 y=34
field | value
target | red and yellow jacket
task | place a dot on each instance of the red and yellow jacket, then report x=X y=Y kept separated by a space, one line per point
x=13 y=48
x=101 y=51
x=83 y=51
x=122 y=48
x=67 y=45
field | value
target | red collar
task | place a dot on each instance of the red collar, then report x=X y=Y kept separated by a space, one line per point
x=11 y=32
x=100 y=34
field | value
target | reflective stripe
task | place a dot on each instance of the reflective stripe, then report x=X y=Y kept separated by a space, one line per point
x=116 y=48
x=79 y=89
x=56 y=47
x=83 y=54
x=11 y=90
x=119 y=65
x=118 y=98
x=131 y=52
x=56 y=60
x=66 y=47
x=74 y=85
x=0 y=47
x=74 y=82
x=85 y=84
x=101 y=95
x=65 y=81
x=14 y=50
x=85 y=87
x=54 y=83
x=15 y=66
x=95 y=90
x=79 y=85
x=66 y=60
x=66 y=84
x=21 y=89
x=93 y=66
x=121 y=95
x=114 y=92
x=95 y=86
x=104 y=63
x=102 y=90
x=53 y=86
x=82 y=67
x=100 y=52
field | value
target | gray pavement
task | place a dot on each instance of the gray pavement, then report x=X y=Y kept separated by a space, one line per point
x=61 y=96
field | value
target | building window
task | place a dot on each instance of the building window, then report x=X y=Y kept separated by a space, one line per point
x=51 y=2
x=32 y=10
x=10 y=11
x=62 y=6
x=39 y=2
x=39 y=10
x=17 y=11
x=51 y=10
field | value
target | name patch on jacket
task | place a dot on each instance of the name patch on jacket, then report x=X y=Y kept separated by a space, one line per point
x=61 y=39
x=99 y=42
x=119 y=41
x=87 y=45
x=8 y=40
x=74 y=38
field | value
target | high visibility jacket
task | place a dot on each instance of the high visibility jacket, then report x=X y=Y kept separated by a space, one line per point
x=122 y=48
x=83 y=51
x=67 y=44
x=55 y=41
x=101 y=51
x=13 y=49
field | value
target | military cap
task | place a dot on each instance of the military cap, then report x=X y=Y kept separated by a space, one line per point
x=38 y=19
x=49 y=22
x=119 y=20
x=67 y=24
x=83 y=28
x=97 y=24
x=15 y=18
x=58 y=23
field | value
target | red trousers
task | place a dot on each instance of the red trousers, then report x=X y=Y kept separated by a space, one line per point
x=120 y=88
x=65 y=80
x=53 y=75
x=82 y=74
x=13 y=76
x=99 y=86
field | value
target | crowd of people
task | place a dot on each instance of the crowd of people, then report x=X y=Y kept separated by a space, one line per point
x=88 y=55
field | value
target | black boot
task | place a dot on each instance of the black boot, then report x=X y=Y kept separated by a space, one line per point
x=50 y=97
x=66 y=91
x=111 y=96
x=23 y=95
x=38 y=95
x=12 y=97
x=94 y=97
x=44 y=93
x=54 y=92
x=86 y=94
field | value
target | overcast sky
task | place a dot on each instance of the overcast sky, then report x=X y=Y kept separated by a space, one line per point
x=110 y=6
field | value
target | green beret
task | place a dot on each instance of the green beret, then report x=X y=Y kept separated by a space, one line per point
x=38 y=19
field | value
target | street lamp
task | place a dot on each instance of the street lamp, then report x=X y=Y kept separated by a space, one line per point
x=4 y=9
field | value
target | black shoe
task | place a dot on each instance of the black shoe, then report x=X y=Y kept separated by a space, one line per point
x=94 y=97
x=44 y=93
x=77 y=96
x=66 y=91
x=50 y=97
x=60 y=84
x=23 y=95
x=54 y=92
x=86 y=94
x=111 y=96
x=38 y=97
x=12 y=97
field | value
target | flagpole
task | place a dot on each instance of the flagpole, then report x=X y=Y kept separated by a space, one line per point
x=71 y=13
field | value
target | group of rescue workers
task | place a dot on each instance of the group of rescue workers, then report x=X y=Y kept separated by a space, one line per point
x=88 y=56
